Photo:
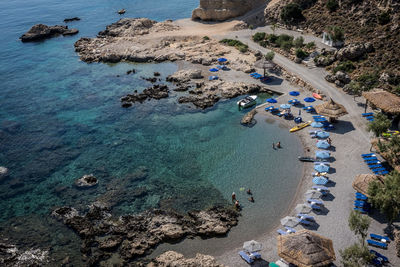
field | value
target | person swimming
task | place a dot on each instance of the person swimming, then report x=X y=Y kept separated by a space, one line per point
x=249 y=191
x=233 y=197
x=251 y=199
x=278 y=145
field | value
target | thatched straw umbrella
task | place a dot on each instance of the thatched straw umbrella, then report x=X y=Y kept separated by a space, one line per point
x=361 y=182
x=331 y=109
x=386 y=101
x=305 y=249
x=264 y=64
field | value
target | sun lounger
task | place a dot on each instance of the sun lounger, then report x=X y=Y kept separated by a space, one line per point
x=367 y=114
x=375 y=166
x=320 y=120
x=281 y=232
x=379 y=255
x=305 y=222
x=370 y=158
x=269 y=108
x=368 y=155
x=317 y=116
x=246 y=257
x=306 y=217
x=376 y=244
x=322 y=189
x=383 y=239
x=290 y=230
x=382 y=172
x=378 y=170
x=361 y=196
x=361 y=202
x=373 y=162
x=315 y=207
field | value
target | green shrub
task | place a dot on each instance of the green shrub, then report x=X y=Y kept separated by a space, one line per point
x=259 y=36
x=301 y=53
x=243 y=49
x=286 y=45
x=345 y=66
x=271 y=38
x=236 y=43
x=332 y=5
x=269 y=56
x=284 y=38
x=368 y=80
x=298 y=42
x=292 y=12
x=251 y=27
x=263 y=43
x=336 y=33
x=384 y=18
x=206 y=38
x=310 y=45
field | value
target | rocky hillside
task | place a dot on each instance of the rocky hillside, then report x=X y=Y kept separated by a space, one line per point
x=218 y=10
x=363 y=21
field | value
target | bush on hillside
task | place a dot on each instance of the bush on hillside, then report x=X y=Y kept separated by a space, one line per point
x=206 y=38
x=301 y=53
x=259 y=36
x=236 y=43
x=384 y=18
x=292 y=12
x=269 y=56
x=336 y=34
x=310 y=45
x=345 y=66
x=332 y=5
x=368 y=80
x=298 y=42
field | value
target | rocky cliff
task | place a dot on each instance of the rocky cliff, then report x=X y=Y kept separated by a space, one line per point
x=218 y=10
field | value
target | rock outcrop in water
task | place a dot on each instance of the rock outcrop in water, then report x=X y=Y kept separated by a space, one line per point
x=41 y=31
x=172 y=258
x=156 y=91
x=248 y=118
x=218 y=10
x=10 y=255
x=86 y=181
x=131 y=236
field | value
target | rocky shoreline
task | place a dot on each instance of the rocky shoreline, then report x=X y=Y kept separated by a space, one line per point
x=41 y=31
x=129 y=237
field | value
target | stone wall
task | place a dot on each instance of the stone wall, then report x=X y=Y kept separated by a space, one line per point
x=218 y=10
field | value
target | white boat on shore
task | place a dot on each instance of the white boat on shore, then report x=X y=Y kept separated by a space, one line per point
x=248 y=101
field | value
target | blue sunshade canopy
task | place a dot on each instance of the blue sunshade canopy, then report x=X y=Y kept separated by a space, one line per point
x=222 y=59
x=321 y=168
x=271 y=100
x=316 y=124
x=294 y=93
x=322 y=154
x=213 y=70
x=323 y=144
x=320 y=180
x=285 y=106
x=309 y=99
x=322 y=135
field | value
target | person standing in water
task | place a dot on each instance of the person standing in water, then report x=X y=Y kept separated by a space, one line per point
x=233 y=197
x=278 y=145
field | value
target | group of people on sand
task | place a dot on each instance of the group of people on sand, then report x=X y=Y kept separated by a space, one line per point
x=236 y=202
x=278 y=145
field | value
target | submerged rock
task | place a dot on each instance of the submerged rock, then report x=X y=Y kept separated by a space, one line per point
x=42 y=31
x=156 y=91
x=248 y=118
x=71 y=19
x=86 y=181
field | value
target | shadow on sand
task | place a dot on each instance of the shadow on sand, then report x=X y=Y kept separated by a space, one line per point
x=343 y=127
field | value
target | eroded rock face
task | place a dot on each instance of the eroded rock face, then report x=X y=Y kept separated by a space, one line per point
x=354 y=51
x=41 y=31
x=174 y=259
x=183 y=76
x=132 y=236
x=340 y=79
x=219 y=10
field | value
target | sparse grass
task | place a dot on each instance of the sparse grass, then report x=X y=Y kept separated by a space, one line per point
x=345 y=66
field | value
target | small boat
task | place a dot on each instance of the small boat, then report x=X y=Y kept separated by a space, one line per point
x=248 y=101
x=317 y=96
x=300 y=126
x=122 y=11
x=306 y=159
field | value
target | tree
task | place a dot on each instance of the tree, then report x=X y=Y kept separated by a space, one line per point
x=291 y=13
x=386 y=196
x=336 y=34
x=359 y=224
x=332 y=5
x=356 y=256
x=299 y=42
x=379 y=125
x=269 y=56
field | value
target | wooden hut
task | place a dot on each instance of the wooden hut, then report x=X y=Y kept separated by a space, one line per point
x=384 y=100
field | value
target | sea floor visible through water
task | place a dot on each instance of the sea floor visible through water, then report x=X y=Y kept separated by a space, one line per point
x=61 y=118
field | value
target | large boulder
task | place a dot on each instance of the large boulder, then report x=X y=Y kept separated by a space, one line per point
x=41 y=31
x=219 y=10
x=354 y=51
x=86 y=181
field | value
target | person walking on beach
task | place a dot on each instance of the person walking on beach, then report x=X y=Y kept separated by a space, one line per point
x=329 y=141
x=233 y=197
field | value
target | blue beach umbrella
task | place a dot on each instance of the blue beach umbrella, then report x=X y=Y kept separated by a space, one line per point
x=316 y=124
x=322 y=154
x=321 y=168
x=285 y=106
x=222 y=59
x=213 y=70
x=322 y=135
x=271 y=100
x=320 y=180
x=323 y=144
x=294 y=93
x=309 y=99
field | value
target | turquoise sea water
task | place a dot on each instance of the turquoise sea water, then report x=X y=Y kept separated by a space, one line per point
x=61 y=118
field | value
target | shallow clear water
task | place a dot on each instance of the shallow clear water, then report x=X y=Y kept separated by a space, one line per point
x=61 y=118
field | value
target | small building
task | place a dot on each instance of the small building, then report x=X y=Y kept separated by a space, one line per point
x=327 y=39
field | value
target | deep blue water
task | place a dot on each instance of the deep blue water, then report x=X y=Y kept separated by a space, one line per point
x=60 y=118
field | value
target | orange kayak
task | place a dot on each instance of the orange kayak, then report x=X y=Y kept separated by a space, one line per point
x=317 y=96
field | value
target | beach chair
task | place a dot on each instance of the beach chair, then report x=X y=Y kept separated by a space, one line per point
x=370 y=158
x=246 y=257
x=375 y=166
x=329 y=127
x=306 y=217
x=373 y=162
x=382 y=172
x=377 y=244
x=361 y=196
x=315 y=201
x=370 y=118
x=307 y=107
x=383 y=239
x=379 y=255
x=367 y=114
x=315 y=207
x=368 y=155
x=269 y=108
x=320 y=120
x=324 y=190
x=282 y=232
x=290 y=230
x=304 y=222
x=317 y=116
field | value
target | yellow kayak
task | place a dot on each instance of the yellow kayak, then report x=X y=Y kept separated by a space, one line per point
x=300 y=126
